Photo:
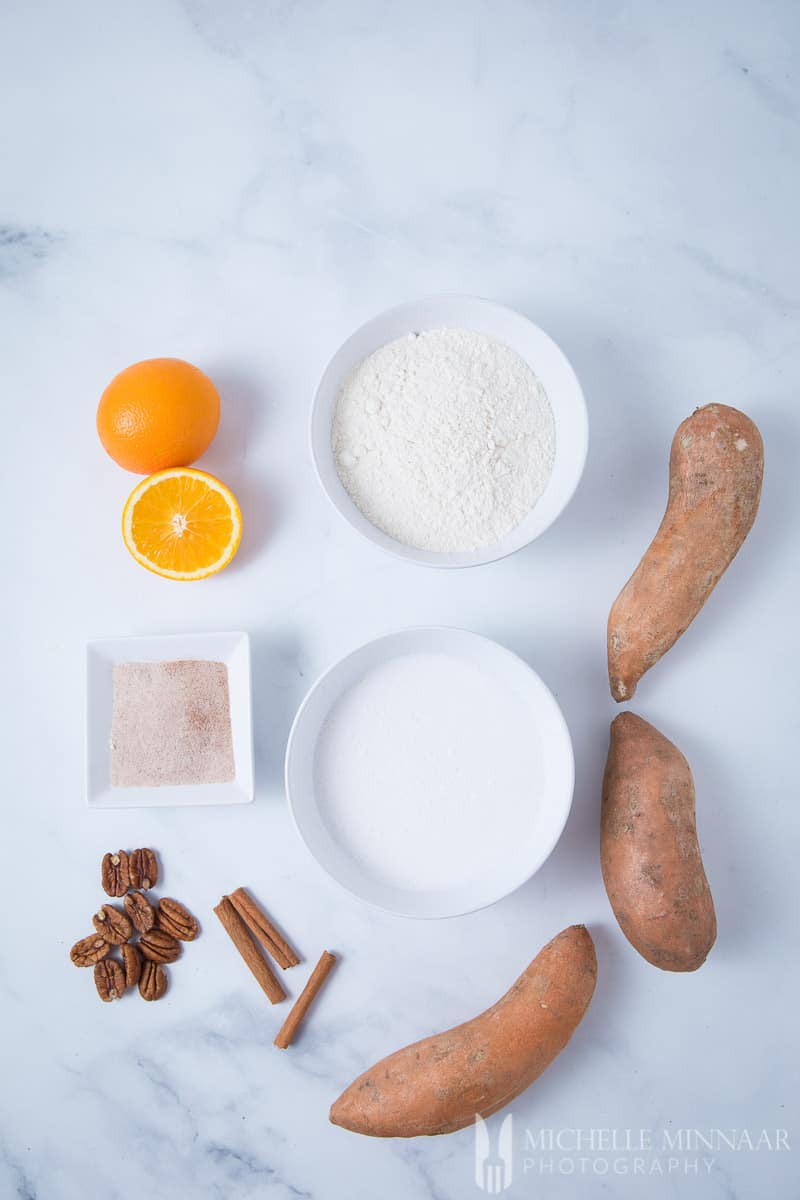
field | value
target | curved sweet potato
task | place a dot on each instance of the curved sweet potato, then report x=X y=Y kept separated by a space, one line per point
x=715 y=470
x=440 y=1084
x=649 y=853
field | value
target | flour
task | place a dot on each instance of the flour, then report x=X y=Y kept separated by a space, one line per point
x=444 y=440
x=428 y=773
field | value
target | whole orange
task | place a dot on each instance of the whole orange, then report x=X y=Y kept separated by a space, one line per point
x=159 y=413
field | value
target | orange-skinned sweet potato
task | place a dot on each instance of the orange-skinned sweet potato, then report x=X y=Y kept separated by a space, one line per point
x=440 y=1084
x=715 y=469
x=649 y=853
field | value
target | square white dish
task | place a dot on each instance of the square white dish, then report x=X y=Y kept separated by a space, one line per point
x=102 y=656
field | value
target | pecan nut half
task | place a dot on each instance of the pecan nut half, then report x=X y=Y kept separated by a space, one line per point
x=153 y=981
x=112 y=924
x=143 y=866
x=89 y=950
x=131 y=965
x=109 y=979
x=159 y=947
x=140 y=911
x=115 y=874
x=175 y=919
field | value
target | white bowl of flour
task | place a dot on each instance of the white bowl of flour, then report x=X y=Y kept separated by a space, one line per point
x=450 y=431
x=430 y=772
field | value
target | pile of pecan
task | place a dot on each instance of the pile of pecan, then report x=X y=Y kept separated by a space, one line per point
x=161 y=927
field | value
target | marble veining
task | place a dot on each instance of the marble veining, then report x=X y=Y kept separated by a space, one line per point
x=242 y=184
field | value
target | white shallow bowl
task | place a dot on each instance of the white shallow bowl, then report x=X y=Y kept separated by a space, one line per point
x=530 y=846
x=101 y=657
x=531 y=343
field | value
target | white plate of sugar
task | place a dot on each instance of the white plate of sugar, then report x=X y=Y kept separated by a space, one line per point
x=430 y=772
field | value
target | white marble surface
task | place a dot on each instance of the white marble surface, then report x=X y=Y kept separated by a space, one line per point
x=241 y=184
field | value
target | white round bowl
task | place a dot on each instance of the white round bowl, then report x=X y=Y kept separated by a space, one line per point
x=529 y=845
x=531 y=343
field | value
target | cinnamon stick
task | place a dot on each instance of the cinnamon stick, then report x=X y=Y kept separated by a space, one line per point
x=303 y=1002
x=262 y=928
x=238 y=933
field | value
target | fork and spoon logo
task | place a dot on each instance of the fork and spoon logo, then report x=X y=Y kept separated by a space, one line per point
x=493 y=1168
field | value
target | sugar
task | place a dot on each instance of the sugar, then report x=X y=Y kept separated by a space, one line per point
x=428 y=773
x=171 y=724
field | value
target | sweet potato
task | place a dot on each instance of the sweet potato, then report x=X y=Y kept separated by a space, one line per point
x=649 y=853
x=715 y=470
x=438 y=1085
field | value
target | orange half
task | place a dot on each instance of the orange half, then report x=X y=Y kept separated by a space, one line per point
x=182 y=524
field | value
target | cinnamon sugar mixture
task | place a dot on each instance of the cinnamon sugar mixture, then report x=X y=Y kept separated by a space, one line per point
x=171 y=724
